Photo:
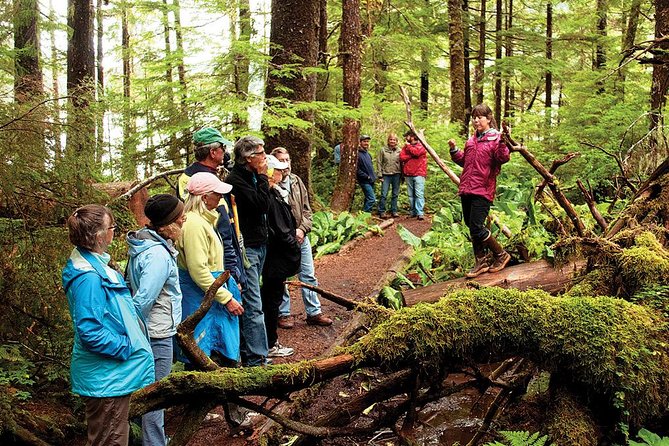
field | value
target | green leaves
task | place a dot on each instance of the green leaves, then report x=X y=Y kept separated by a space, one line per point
x=650 y=439
x=520 y=438
x=329 y=233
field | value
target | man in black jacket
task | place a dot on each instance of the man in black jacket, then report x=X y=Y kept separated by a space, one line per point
x=251 y=190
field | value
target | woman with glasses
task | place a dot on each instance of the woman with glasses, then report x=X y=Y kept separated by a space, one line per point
x=111 y=355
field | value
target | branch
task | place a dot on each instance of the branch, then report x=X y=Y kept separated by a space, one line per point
x=618 y=160
x=35 y=107
x=554 y=167
x=562 y=200
x=592 y=206
x=343 y=301
x=186 y=328
x=146 y=182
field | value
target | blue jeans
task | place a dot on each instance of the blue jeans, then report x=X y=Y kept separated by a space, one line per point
x=254 y=337
x=153 y=423
x=370 y=197
x=388 y=181
x=416 y=189
x=306 y=274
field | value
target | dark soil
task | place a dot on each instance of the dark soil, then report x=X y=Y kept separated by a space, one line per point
x=354 y=274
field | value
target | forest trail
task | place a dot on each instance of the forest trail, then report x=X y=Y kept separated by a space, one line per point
x=354 y=274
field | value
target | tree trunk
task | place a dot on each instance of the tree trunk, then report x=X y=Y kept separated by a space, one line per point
x=241 y=60
x=181 y=71
x=27 y=71
x=509 y=93
x=499 y=10
x=525 y=276
x=457 y=59
x=600 y=51
x=99 y=123
x=351 y=55
x=658 y=91
x=129 y=153
x=480 y=67
x=80 y=83
x=632 y=25
x=294 y=41
x=55 y=71
x=549 y=57
x=173 y=153
x=468 y=76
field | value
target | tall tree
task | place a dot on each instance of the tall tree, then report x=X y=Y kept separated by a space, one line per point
x=480 y=67
x=55 y=72
x=457 y=59
x=80 y=85
x=129 y=152
x=294 y=50
x=173 y=153
x=99 y=123
x=509 y=94
x=27 y=71
x=468 y=79
x=600 y=51
x=549 y=57
x=498 y=59
x=425 y=63
x=351 y=55
x=660 y=85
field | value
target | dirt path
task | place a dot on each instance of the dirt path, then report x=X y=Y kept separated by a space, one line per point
x=353 y=274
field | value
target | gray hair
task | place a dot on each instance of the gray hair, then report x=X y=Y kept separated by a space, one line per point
x=245 y=146
x=202 y=152
x=279 y=150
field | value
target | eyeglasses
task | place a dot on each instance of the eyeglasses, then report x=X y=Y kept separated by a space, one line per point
x=262 y=152
x=113 y=228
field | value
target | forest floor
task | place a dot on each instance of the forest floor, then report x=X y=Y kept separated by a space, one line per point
x=354 y=274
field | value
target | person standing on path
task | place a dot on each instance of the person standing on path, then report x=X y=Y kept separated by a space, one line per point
x=209 y=151
x=481 y=162
x=301 y=210
x=414 y=166
x=154 y=279
x=365 y=173
x=111 y=353
x=251 y=189
x=388 y=166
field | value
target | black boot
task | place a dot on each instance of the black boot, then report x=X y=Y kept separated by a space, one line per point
x=500 y=256
x=481 y=265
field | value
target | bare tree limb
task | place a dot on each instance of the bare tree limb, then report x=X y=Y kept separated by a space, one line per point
x=554 y=167
x=32 y=109
x=592 y=206
x=146 y=182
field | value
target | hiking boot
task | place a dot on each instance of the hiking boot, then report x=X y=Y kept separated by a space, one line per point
x=319 y=319
x=395 y=215
x=420 y=217
x=286 y=322
x=500 y=257
x=279 y=351
x=480 y=267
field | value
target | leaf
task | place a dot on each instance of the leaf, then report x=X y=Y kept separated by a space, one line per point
x=368 y=409
x=408 y=237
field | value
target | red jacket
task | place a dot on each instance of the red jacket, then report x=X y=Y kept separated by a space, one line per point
x=481 y=162
x=414 y=160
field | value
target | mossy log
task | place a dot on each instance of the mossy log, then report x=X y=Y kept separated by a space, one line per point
x=616 y=350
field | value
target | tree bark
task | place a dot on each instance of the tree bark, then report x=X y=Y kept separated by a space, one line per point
x=457 y=59
x=55 y=132
x=660 y=83
x=549 y=57
x=600 y=50
x=294 y=38
x=509 y=91
x=468 y=75
x=499 y=28
x=99 y=123
x=129 y=153
x=351 y=55
x=28 y=83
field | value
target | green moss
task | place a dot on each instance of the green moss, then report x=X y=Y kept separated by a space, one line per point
x=646 y=263
x=607 y=344
x=569 y=423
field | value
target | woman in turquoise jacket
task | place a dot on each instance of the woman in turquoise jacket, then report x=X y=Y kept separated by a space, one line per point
x=111 y=355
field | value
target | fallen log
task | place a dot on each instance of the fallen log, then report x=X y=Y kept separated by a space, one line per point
x=541 y=275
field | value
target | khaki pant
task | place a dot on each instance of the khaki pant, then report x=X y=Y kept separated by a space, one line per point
x=107 y=420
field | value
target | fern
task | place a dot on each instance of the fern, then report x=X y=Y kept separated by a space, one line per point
x=650 y=439
x=520 y=438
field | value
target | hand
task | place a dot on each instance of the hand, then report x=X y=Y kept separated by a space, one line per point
x=262 y=166
x=451 y=143
x=299 y=235
x=234 y=307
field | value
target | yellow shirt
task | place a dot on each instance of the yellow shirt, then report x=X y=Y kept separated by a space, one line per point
x=201 y=251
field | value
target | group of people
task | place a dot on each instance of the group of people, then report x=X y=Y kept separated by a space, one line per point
x=254 y=225
x=481 y=160
x=393 y=164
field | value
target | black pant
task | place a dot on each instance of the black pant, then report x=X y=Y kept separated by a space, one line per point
x=475 y=211
x=271 y=293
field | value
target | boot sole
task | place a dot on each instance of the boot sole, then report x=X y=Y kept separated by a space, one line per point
x=505 y=262
x=478 y=273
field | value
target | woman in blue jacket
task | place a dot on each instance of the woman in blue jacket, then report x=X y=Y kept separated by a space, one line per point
x=154 y=279
x=111 y=355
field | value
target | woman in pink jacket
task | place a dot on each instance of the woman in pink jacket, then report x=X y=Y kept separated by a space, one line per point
x=481 y=162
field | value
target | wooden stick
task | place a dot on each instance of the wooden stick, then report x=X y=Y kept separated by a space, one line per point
x=140 y=185
x=452 y=175
x=562 y=200
x=592 y=206
x=554 y=167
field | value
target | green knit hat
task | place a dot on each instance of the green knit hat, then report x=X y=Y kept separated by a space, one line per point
x=208 y=135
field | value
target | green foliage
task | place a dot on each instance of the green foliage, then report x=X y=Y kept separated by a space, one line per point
x=649 y=439
x=15 y=371
x=520 y=438
x=329 y=233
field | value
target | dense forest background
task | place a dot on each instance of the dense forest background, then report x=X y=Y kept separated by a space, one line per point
x=107 y=91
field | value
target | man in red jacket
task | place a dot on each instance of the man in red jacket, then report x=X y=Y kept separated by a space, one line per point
x=414 y=167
